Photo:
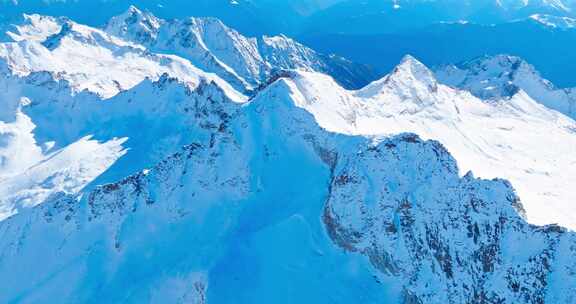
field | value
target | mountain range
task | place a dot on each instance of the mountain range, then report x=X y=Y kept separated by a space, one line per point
x=533 y=39
x=373 y=33
x=179 y=161
x=259 y=17
x=389 y=16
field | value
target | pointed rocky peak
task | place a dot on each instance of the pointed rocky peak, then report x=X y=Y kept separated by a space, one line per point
x=133 y=10
x=277 y=40
x=409 y=79
x=168 y=82
x=136 y=25
x=281 y=45
x=160 y=86
x=413 y=70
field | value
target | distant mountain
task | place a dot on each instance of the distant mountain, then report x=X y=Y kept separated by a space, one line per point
x=555 y=21
x=251 y=17
x=244 y=62
x=551 y=50
x=293 y=17
x=389 y=16
x=504 y=76
x=240 y=14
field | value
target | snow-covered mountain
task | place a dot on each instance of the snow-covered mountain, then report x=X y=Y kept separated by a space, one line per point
x=496 y=77
x=89 y=58
x=55 y=77
x=132 y=172
x=57 y=59
x=229 y=213
x=554 y=21
x=244 y=62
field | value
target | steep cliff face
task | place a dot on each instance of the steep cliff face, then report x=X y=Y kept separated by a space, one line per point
x=449 y=239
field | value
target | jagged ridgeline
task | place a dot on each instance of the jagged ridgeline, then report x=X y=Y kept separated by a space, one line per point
x=242 y=61
x=159 y=161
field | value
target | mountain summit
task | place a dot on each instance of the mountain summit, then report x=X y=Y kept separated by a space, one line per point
x=409 y=78
x=135 y=24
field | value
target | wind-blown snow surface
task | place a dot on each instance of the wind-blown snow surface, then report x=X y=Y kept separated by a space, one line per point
x=170 y=186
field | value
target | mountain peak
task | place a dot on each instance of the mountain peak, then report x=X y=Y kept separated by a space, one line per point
x=409 y=59
x=410 y=74
x=413 y=68
x=142 y=26
x=133 y=10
